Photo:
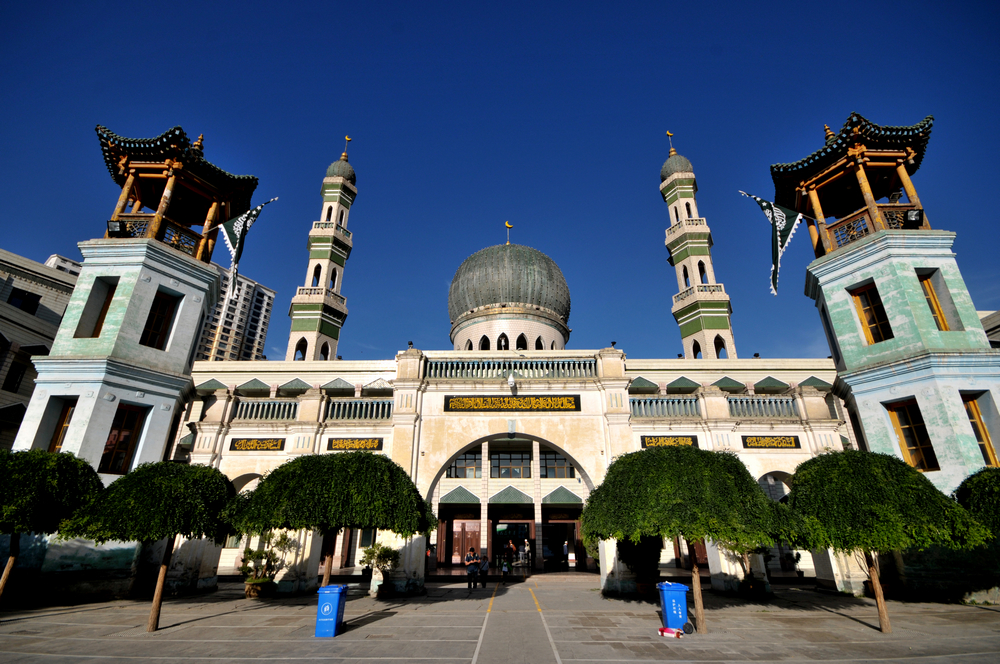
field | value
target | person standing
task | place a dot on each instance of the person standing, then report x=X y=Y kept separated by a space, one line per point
x=484 y=569
x=527 y=554
x=471 y=567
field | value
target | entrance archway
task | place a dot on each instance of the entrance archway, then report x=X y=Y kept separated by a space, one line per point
x=507 y=488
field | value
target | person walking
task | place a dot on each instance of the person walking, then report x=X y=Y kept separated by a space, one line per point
x=527 y=554
x=484 y=569
x=471 y=567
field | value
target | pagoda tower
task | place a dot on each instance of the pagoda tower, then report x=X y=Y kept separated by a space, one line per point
x=318 y=310
x=110 y=388
x=914 y=364
x=701 y=306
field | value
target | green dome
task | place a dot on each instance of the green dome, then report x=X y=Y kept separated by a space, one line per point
x=508 y=274
x=675 y=163
x=342 y=169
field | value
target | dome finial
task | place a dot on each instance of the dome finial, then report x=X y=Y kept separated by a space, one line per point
x=670 y=137
x=829 y=133
x=509 y=226
x=347 y=139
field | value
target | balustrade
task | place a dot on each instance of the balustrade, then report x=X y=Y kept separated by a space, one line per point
x=665 y=407
x=762 y=406
x=266 y=409
x=501 y=369
x=359 y=409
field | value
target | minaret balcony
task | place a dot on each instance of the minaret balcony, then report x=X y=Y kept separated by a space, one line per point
x=860 y=224
x=307 y=295
x=335 y=227
x=691 y=224
x=171 y=233
x=702 y=292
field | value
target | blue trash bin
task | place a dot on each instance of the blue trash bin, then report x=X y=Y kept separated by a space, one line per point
x=330 y=612
x=673 y=601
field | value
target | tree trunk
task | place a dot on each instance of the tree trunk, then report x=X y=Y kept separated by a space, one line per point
x=15 y=551
x=873 y=577
x=154 y=614
x=328 y=565
x=699 y=605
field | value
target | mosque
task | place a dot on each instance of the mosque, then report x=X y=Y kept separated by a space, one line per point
x=508 y=430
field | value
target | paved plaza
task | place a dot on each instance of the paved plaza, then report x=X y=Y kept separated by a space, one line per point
x=546 y=618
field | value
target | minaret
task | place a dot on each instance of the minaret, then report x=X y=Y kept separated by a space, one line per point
x=701 y=307
x=318 y=309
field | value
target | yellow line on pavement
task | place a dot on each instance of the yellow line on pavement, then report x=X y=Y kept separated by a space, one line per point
x=490 y=607
x=537 y=606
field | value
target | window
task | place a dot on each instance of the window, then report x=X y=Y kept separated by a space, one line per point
x=677 y=215
x=333 y=278
x=340 y=220
x=512 y=465
x=161 y=318
x=324 y=352
x=368 y=537
x=687 y=206
x=979 y=429
x=467 y=465
x=687 y=280
x=125 y=431
x=912 y=434
x=329 y=213
x=696 y=350
x=720 y=348
x=96 y=309
x=522 y=342
x=702 y=275
x=316 y=273
x=538 y=344
x=12 y=383
x=503 y=343
x=62 y=425
x=552 y=464
x=939 y=300
x=484 y=343
x=468 y=344
x=874 y=322
x=932 y=302
x=23 y=300
x=300 y=350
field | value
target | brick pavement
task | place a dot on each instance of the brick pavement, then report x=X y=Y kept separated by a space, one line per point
x=548 y=618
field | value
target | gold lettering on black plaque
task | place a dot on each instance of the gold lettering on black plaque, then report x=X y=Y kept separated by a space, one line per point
x=771 y=442
x=354 y=444
x=257 y=444
x=453 y=404
x=668 y=441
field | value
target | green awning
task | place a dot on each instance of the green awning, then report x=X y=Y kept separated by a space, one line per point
x=209 y=386
x=562 y=496
x=339 y=387
x=254 y=388
x=460 y=495
x=293 y=388
x=640 y=385
x=813 y=381
x=682 y=386
x=727 y=384
x=770 y=385
x=510 y=495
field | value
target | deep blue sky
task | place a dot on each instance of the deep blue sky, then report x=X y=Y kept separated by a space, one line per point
x=465 y=115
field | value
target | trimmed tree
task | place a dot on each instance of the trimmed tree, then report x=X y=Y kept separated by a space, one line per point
x=979 y=493
x=684 y=492
x=159 y=501
x=38 y=492
x=329 y=492
x=875 y=503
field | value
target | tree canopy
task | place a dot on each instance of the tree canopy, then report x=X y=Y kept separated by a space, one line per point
x=876 y=502
x=158 y=500
x=680 y=491
x=979 y=493
x=328 y=492
x=39 y=490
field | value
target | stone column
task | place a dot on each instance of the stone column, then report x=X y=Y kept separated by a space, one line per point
x=537 y=499
x=484 y=499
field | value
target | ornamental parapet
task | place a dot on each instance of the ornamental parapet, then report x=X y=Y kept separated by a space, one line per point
x=502 y=368
x=664 y=407
x=892 y=216
x=266 y=410
x=687 y=224
x=700 y=289
x=758 y=406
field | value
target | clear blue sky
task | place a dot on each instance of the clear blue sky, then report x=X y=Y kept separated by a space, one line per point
x=465 y=115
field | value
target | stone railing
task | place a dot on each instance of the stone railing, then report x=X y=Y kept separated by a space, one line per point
x=698 y=288
x=501 y=369
x=762 y=406
x=326 y=292
x=684 y=224
x=359 y=409
x=326 y=225
x=260 y=410
x=665 y=407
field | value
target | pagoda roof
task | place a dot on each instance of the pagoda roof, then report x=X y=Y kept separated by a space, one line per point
x=857 y=129
x=174 y=144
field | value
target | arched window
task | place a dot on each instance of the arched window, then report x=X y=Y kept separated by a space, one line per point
x=503 y=343
x=677 y=215
x=340 y=221
x=300 y=350
x=702 y=276
x=333 y=278
x=687 y=206
x=329 y=213
x=538 y=344
x=553 y=344
x=687 y=280
x=324 y=352
x=696 y=350
x=468 y=344
x=720 y=348
x=484 y=343
x=522 y=342
x=316 y=273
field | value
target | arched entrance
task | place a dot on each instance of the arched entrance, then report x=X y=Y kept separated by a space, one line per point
x=782 y=560
x=514 y=497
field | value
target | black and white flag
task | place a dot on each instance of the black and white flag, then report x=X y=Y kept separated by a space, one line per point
x=783 y=224
x=234 y=232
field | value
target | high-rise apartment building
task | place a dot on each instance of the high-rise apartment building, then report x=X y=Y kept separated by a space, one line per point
x=244 y=322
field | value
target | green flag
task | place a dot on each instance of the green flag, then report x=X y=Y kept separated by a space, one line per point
x=234 y=232
x=783 y=224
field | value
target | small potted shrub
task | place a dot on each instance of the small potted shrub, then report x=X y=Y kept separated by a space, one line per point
x=381 y=559
x=261 y=565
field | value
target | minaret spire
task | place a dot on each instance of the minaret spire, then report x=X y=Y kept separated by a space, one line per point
x=701 y=307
